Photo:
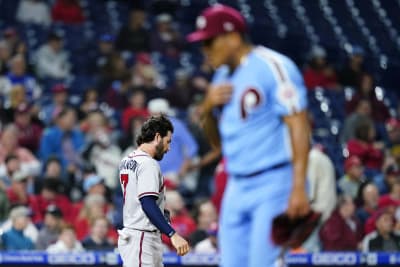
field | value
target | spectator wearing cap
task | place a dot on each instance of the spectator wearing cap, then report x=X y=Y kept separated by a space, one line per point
x=342 y=231
x=17 y=193
x=368 y=197
x=51 y=60
x=351 y=181
x=29 y=131
x=105 y=47
x=101 y=150
x=59 y=101
x=364 y=146
x=391 y=173
x=18 y=76
x=67 y=12
x=51 y=228
x=183 y=149
x=384 y=238
x=134 y=37
x=166 y=38
x=66 y=242
x=9 y=145
x=63 y=140
x=351 y=72
x=34 y=11
x=393 y=197
x=210 y=244
x=318 y=71
x=98 y=240
x=14 y=238
x=366 y=90
x=146 y=77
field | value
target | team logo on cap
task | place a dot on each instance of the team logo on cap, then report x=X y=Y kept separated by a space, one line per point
x=201 y=22
x=228 y=26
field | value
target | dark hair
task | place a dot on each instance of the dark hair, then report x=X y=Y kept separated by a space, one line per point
x=64 y=111
x=10 y=157
x=156 y=124
x=362 y=129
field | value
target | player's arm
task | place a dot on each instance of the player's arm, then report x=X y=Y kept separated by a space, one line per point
x=217 y=95
x=156 y=217
x=299 y=137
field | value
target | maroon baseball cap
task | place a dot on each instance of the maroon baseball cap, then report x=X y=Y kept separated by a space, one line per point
x=215 y=20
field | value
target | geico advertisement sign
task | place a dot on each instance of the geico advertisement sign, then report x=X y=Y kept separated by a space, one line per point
x=81 y=258
x=334 y=259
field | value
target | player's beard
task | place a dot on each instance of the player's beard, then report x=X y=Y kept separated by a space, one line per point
x=159 y=151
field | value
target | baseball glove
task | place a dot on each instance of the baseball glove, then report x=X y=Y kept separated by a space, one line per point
x=292 y=233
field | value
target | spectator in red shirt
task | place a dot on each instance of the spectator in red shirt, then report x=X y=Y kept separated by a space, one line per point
x=364 y=146
x=393 y=198
x=137 y=107
x=342 y=231
x=29 y=132
x=366 y=90
x=180 y=218
x=319 y=72
x=68 y=12
x=17 y=193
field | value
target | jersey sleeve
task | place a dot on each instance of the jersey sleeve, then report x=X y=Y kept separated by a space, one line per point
x=289 y=94
x=148 y=179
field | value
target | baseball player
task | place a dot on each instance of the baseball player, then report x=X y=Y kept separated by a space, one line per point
x=255 y=108
x=142 y=183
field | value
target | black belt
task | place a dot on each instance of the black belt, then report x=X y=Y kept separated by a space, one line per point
x=142 y=230
x=273 y=167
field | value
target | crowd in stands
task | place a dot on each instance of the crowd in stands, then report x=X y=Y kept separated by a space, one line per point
x=59 y=184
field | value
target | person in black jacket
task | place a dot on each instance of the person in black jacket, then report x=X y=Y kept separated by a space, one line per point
x=384 y=238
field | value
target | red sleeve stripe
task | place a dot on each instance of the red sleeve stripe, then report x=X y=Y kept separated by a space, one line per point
x=148 y=194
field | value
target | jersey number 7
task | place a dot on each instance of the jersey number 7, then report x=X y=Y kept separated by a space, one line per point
x=124 y=181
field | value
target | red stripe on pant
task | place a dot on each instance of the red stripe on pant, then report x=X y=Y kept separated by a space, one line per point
x=140 y=249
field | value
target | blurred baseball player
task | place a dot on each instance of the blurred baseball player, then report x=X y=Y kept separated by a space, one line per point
x=142 y=183
x=255 y=107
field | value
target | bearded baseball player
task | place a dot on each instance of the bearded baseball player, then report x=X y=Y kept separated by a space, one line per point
x=142 y=183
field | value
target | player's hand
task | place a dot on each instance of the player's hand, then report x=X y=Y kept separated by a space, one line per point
x=180 y=244
x=217 y=95
x=298 y=203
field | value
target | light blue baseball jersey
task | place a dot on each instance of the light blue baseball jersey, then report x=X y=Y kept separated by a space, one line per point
x=266 y=86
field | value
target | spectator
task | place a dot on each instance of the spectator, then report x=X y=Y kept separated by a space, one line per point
x=29 y=131
x=63 y=140
x=351 y=73
x=14 y=41
x=51 y=229
x=97 y=240
x=18 y=76
x=16 y=97
x=105 y=48
x=66 y=242
x=364 y=146
x=366 y=90
x=146 y=77
x=342 y=231
x=204 y=214
x=5 y=56
x=68 y=12
x=34 y=11
x=361 y=113
x=181 y=221
x=390 y=175
x=17 y=193
x=351 y=181
x=384 y=239
x=321 y=180
x=113 y=69
x=51 y=60
x=210 y=244
x=368 y=198
x=137 y=107
x=209 y=156
x=319 y=72
x=94 y=206
x=101 y=151
x=117 y=94
x=9 y=145
x=90 y=102
x=59 y=101
x=128 y=140
x=14 y=239
x=134 y=37
x=183 y=151
x=166 y=39
x=393 y=138
x=393 y=198
x=12 y=165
